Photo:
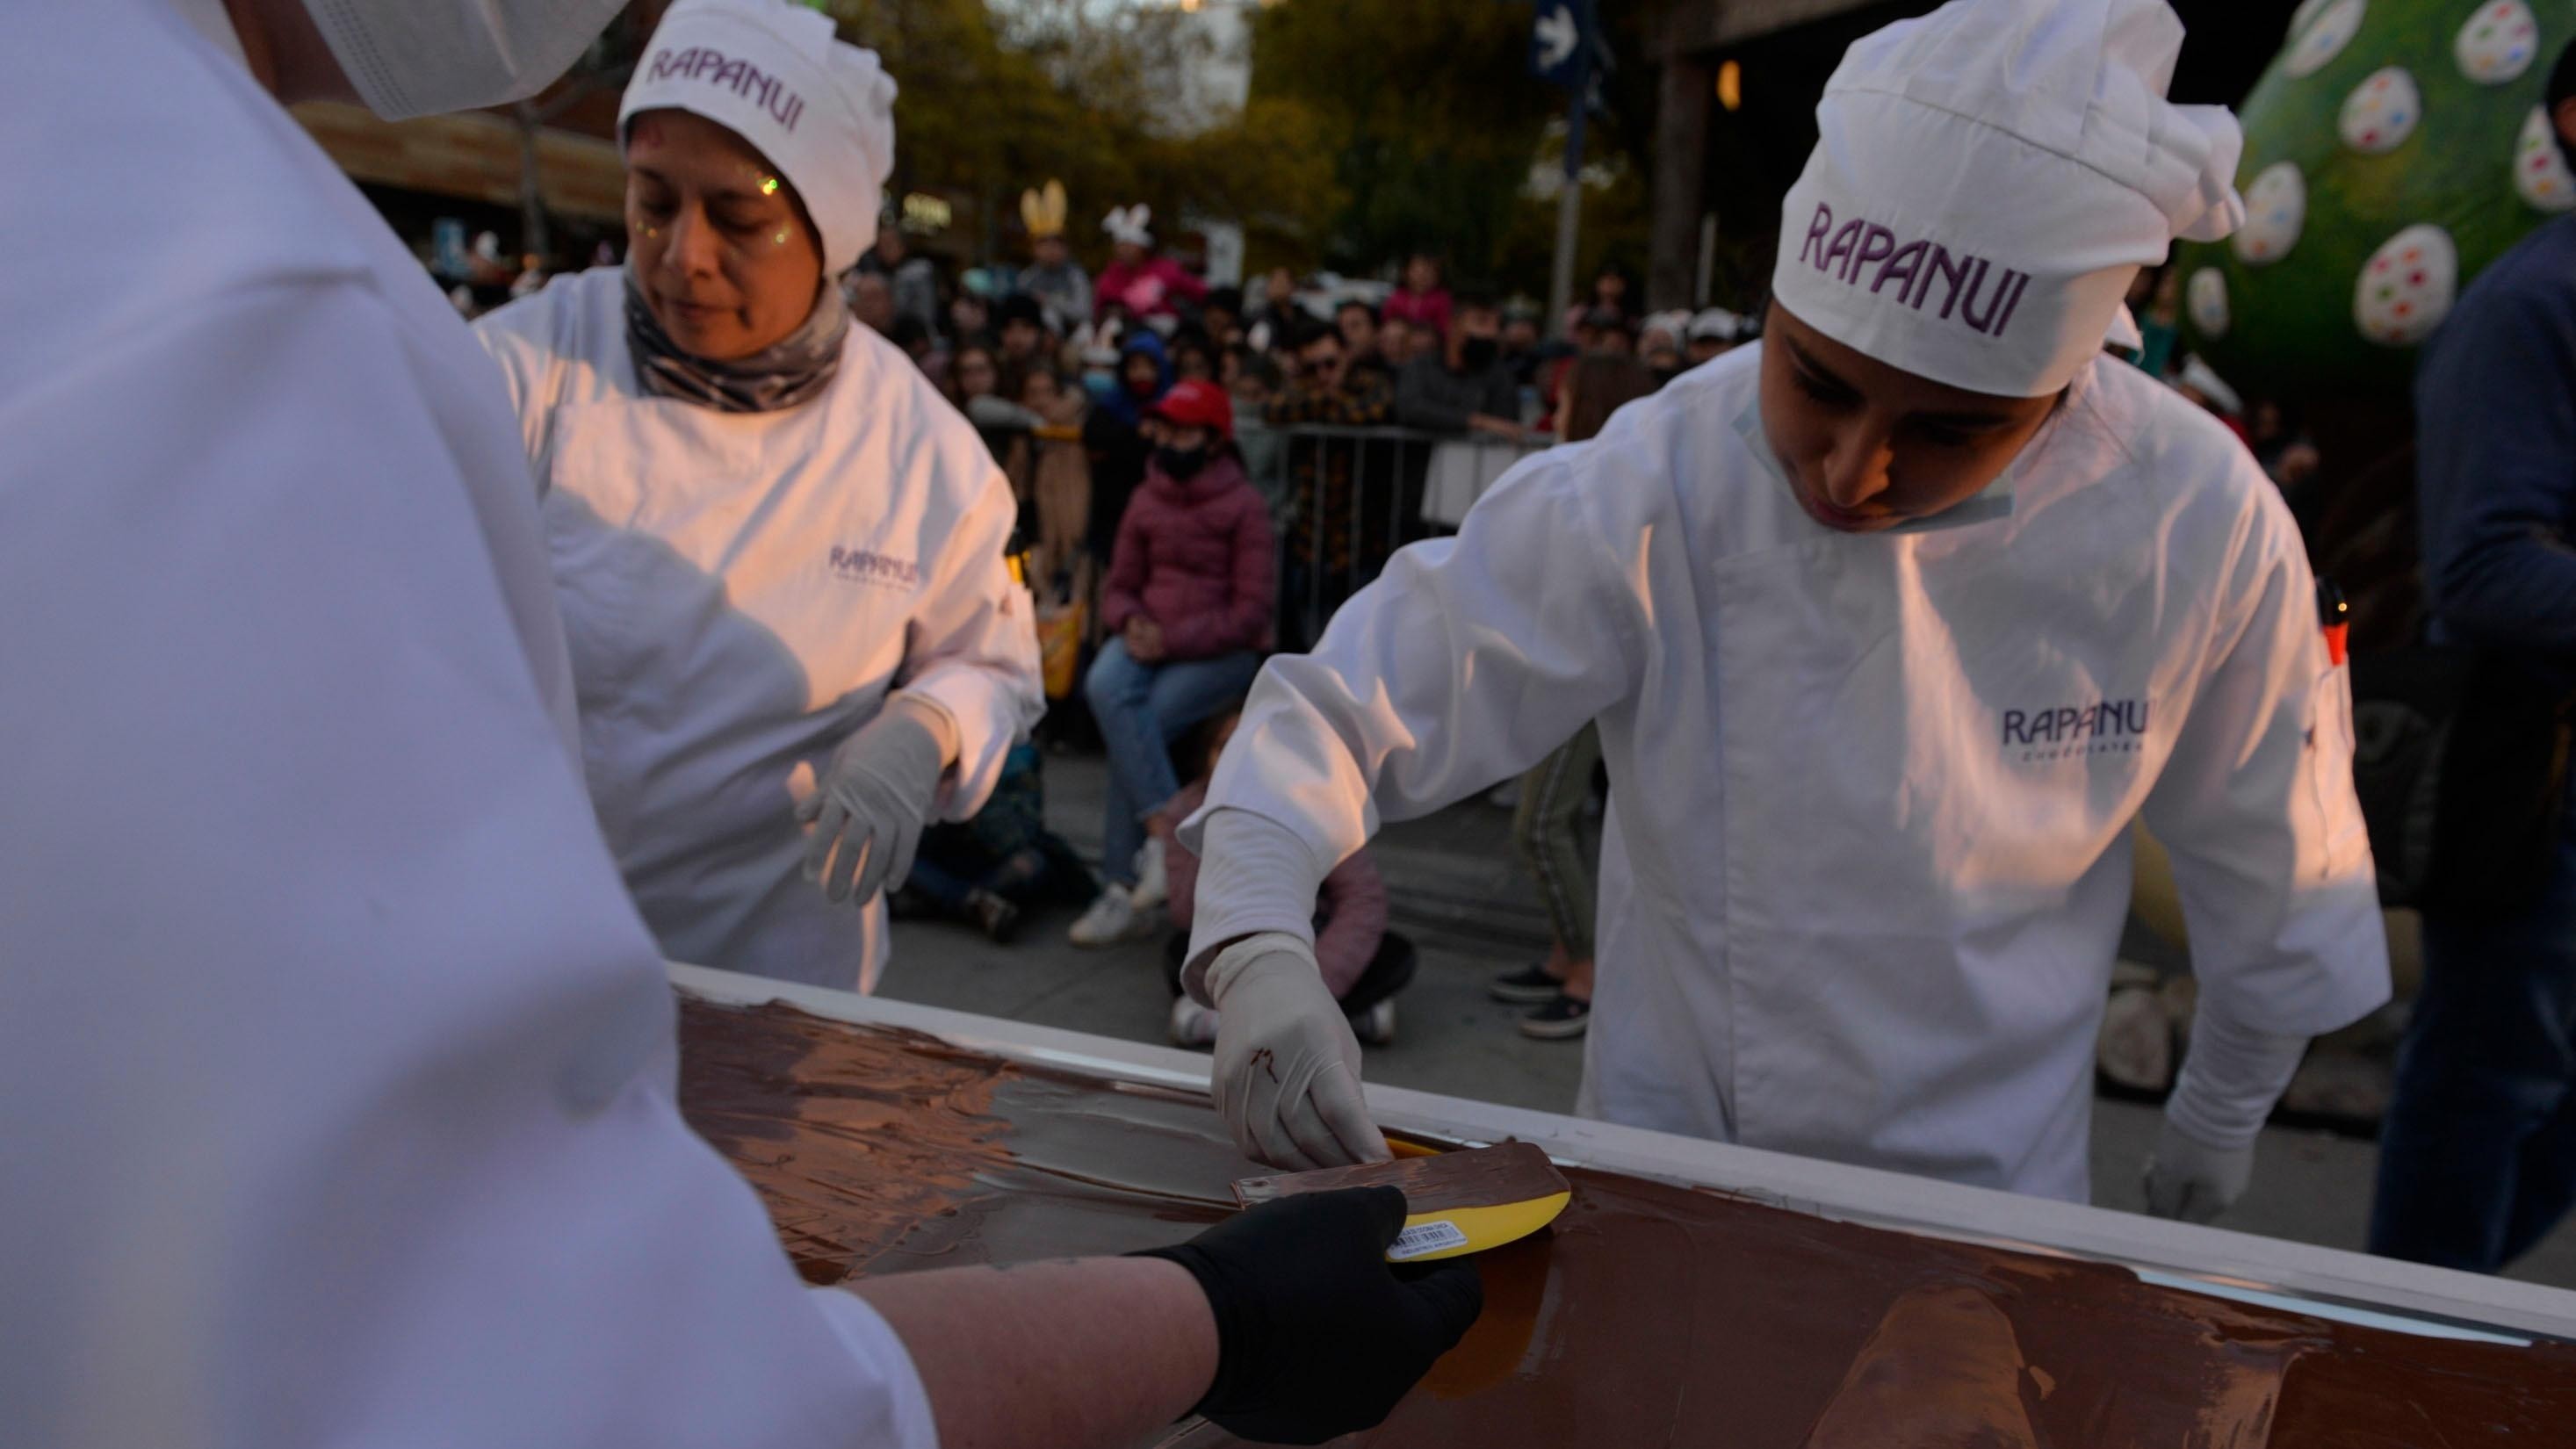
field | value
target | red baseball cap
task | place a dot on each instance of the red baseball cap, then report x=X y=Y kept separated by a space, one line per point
x=1196 y=404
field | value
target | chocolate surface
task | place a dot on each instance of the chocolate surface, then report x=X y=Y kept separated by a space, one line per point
x=1475 y=1177
x=1648 y=1315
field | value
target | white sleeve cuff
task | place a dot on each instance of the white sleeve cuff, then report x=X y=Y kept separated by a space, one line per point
x=1255 y=876
x=2230 y=1080
x=880 y=1355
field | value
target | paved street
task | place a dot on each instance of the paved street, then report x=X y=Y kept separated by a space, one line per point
x=1457 y=892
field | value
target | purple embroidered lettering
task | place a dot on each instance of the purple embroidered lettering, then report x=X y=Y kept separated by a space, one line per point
x=1844 y=237
x=1876 y=244
x=1900 y=268
x=1817 y=230
x=1994 y=302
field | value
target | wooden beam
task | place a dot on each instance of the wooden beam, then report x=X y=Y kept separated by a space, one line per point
x=474 y=157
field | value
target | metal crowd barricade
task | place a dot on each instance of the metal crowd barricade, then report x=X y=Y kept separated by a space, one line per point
x=1345 y=499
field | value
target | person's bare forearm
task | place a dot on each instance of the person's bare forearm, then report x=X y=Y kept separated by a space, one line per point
x=1074 y=1353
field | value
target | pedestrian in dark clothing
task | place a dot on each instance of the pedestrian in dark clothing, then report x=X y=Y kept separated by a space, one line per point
x=2478 y=1149
x=1464 y=386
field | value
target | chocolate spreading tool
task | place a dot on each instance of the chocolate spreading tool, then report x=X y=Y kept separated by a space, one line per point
x=1456 y=1202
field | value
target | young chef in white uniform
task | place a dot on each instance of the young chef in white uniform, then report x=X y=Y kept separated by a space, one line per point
x=1892 y=624
x=335 y=1067
x=779 y=551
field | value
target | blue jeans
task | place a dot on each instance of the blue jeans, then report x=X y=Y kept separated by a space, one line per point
x=1141 y=709
x=2477 y=1157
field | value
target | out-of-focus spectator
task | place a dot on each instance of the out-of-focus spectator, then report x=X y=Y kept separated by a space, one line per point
x=1363 y=963
x=1605 y=329
x=1222 y=317
x=1421 y=301
x=2478 y=1151
x=1059 y=488
x=2281 y=445
x=988 y=870
x=2200 y=383
x=1115 y=438
x=975 y=370
x=1463 y=387
x=871 y=299
x=1659 y=344
x=1395 y=344
x=921 y=345
x=1062 y=285
x=1138 y=278
x=970 y=319
x=1547 y=820
x=2159 y=319
x=1357 y=322
x=1713 y=333
x=1612 y=292
x=1193 y=356
x=912 y=278
x=1188 y=602
x=1521 y=343
x=1023 y=329
x=1275 y=316
x=1324 y=551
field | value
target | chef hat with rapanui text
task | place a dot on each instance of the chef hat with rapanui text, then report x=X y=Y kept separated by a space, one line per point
x=1987 y=181
x=775 y=73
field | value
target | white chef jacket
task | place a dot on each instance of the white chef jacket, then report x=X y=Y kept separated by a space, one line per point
x=1867 y=856
x=742 y=591
x=336 y=1068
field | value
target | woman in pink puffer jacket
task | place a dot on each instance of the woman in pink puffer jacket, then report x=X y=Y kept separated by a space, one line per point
x=1188 y=601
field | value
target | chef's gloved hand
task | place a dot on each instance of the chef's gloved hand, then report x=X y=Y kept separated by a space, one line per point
x=1317 y=1334
x=2229 y=1080
x=1287 y=1066
x=873 y=798
x=2193 y=1182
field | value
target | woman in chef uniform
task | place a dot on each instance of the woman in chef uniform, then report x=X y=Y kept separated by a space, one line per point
x=779 y=552
x=1891 y=624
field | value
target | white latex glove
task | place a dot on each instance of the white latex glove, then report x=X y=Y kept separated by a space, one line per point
x=1287 y=1066
x=873 y=800
x=2194 y=1182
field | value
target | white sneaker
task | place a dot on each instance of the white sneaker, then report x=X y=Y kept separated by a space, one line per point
x=1112 y=918
x=1375 y=1026
x=1193 y=1025
x=1153 y=883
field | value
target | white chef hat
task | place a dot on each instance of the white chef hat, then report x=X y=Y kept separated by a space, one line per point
x=1987 y=180
x=773 y=73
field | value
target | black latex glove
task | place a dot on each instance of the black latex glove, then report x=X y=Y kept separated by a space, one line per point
x=1317 y=1334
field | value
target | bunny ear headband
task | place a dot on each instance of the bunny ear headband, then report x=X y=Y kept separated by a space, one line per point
x=1043 y=211
x=1128 y=224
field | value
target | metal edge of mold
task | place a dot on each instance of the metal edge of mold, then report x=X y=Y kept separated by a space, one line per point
x=2231 y=1263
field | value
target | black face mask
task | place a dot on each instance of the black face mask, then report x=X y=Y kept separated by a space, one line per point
x=1478 y=353
x=1180 y=464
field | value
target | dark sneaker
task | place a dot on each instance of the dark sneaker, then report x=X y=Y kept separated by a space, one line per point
x=1560 y=1020
x=1529 y=986
x=999 y=918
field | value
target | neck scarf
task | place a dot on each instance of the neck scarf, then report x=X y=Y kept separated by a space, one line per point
x=790 y=371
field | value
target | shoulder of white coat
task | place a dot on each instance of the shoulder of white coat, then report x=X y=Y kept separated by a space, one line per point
x=170 y=178
x=931 y=440
x=2207 y=496
x=568 y=323
x=1677 y=460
